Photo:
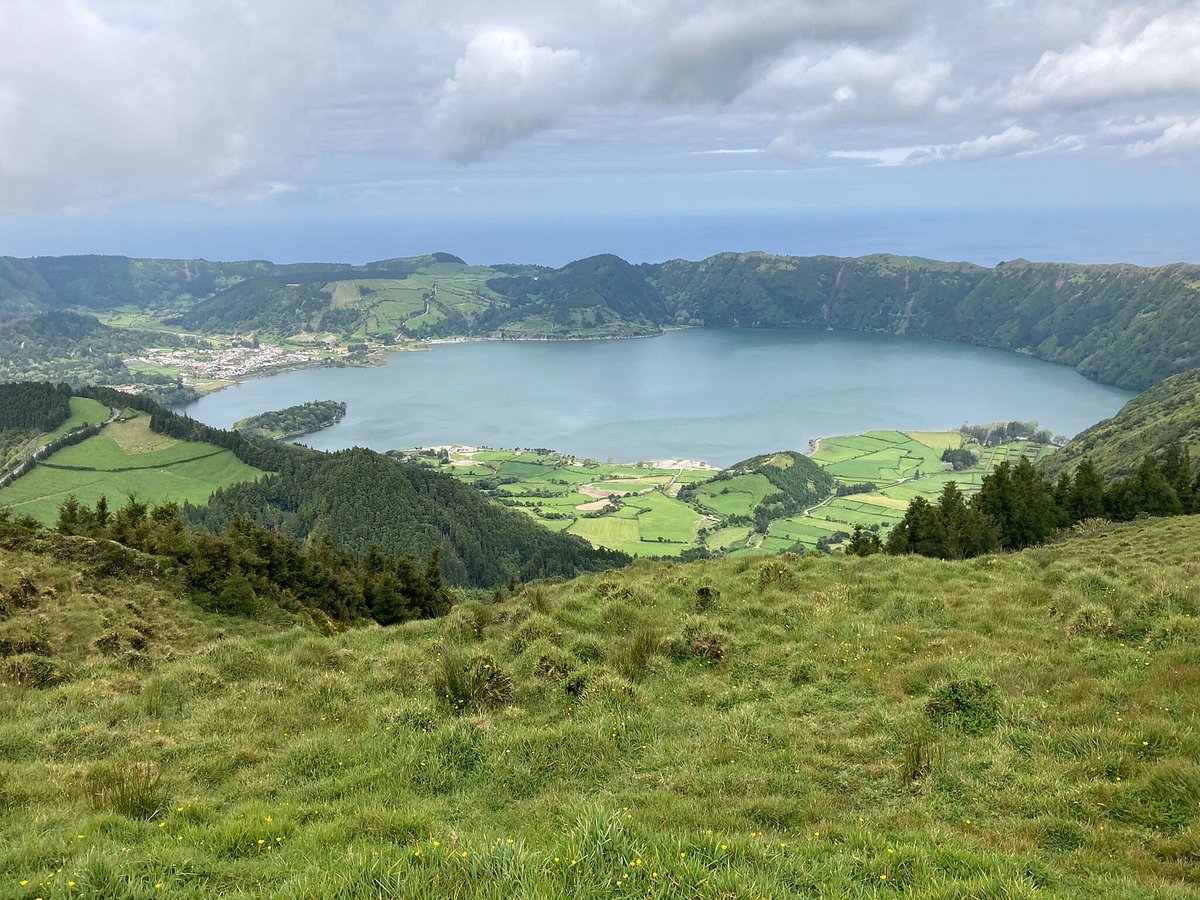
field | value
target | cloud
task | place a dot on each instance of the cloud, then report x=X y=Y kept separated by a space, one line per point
x=95 y=107
x=1179 y=139
x=1012 y=140
x=104 y=101
x=504 y=87
x=1127 y=59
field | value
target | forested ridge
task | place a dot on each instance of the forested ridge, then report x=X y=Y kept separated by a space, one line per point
x=1119 y=324
x=365 y=499
x=1167 y=414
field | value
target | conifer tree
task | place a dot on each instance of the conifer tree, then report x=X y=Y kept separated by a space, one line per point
x=1086 y=500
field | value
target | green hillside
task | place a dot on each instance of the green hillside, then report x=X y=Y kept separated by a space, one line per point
x=1118 y=324
x=363 y=499
x=360 y=499
x=1012 y=726
x=1166 y=414
x=125 y=458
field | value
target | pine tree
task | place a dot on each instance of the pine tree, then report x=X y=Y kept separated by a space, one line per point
x=1086 y=500
x=863 y=542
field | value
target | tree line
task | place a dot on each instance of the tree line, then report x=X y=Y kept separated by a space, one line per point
x=1017 y=507
x=246 y=568
x=34 y=405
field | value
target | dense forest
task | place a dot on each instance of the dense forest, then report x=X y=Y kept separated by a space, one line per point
x=245 y=568
x=1118 y=324
x=363 y=498
x=41 y=406
x=1153 y=421
x=294 y=421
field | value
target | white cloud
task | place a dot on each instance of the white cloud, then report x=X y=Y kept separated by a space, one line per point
x=1012 y=140
x=107 y=100
x=1127 y=59
x=504 y=87
x=1179 y=139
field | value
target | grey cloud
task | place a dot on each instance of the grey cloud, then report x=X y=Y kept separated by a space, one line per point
x=103 y=100
x=504 y=87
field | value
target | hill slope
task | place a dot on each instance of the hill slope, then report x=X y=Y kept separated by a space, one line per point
x=363 y=499
x=1119 y=324
x=358 y=497
x=1166 y=414
x=1012 y=726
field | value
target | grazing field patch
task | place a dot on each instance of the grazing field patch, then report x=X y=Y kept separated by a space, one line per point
x=125 y=458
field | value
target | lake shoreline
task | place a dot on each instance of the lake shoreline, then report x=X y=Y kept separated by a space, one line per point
x=703 y=394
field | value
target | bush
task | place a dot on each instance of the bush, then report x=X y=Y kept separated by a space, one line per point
x=706 y=598
x=134 y=790
x=699 y=642
x=467 y=621
x=633 y=658
x=970 y=705
x=1093 y=620
x=32 y=670
x=21 y=636
x=475 y=683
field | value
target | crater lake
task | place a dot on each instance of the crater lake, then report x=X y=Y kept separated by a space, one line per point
x=710 y=394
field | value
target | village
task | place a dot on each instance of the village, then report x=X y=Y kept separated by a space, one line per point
x=228 y=363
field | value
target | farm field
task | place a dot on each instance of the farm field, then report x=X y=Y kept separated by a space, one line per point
x=396 y=306
x=904 y=465
x=125 y=458
x=632 y=507
x=84 y=411
x=627 y=507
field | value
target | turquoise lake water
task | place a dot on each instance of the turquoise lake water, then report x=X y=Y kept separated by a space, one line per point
x=710 y=394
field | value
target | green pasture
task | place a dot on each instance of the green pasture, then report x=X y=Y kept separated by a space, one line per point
x=181 y=471
x=83 y=412
x=736 y=496
x=652 y=522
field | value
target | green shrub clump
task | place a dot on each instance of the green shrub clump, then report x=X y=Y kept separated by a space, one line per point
x=970 y=705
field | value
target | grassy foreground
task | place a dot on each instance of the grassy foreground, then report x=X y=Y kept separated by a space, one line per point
x=1010 y=726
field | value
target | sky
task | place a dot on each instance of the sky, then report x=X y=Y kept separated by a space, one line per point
x=539 y=131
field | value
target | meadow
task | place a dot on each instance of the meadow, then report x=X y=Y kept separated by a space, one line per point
x=1012 y=726
x=562 y=492
x=125 y=458
x=903 y=465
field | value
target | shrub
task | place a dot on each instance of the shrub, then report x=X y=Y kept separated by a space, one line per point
x=536 y=627
x=467 y=621
x=1093 y=620
x=634 y=656
x=32 y=670
x=553 y=665
x=134 y=790
x=475 y=683
x=775 y=572
x=21 y=636
x=699 y=642
x=970 y=705
x=706 y=598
